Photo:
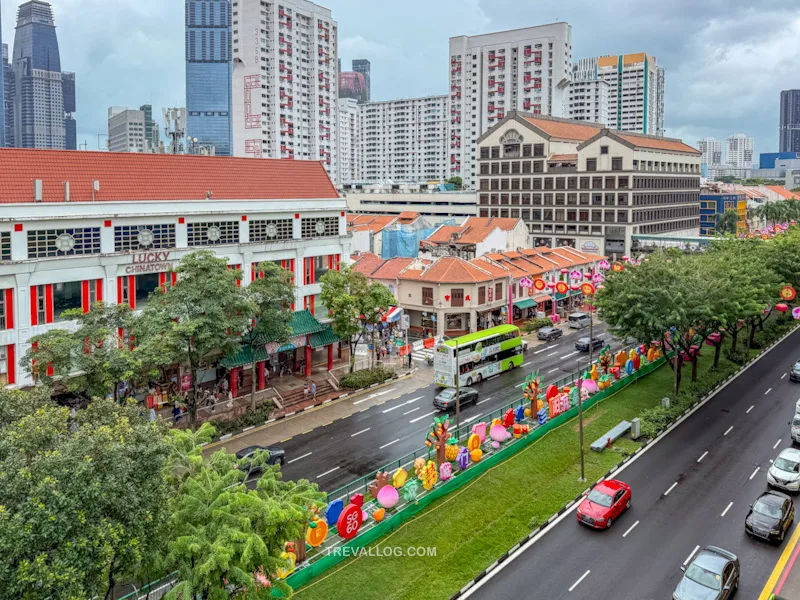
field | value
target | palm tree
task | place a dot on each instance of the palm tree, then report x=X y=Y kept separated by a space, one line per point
x=727 y=221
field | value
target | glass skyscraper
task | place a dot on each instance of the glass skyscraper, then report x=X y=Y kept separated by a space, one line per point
x=2 y=86
x=208 y=73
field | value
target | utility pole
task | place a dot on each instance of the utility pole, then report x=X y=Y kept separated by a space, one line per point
x=580 y=404
x=458 y=391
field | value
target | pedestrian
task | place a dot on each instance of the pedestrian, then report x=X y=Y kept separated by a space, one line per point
x=152 y=414
x=313 y=390
x=305 y=389
x=176 y=412
x=224 y=384
x=240 y=378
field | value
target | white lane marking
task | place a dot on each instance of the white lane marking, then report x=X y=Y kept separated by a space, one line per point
x=410 y=411
x=749 y=409
x=672 y=487
x=298 y=458
x=389 y=444
x=520 y=385
x=552 y=370
x=568 y=355
x=360 y=432
x=484 y=400
x=702 y=456
x=582 y=577
x=393 y=408
x=422 y=417
x=551 y=354
x=327 y=472
x=768 y=391
x=527 y=363
x=579 y=359
x=728 y=430
x=471 y=419
x=688 y=558
x=777 y=444
x=783 y=376
x=727 y=508
x=630 y=529
x=755 y=473
x=546 y=349
x=370 y=397
x=403 y=404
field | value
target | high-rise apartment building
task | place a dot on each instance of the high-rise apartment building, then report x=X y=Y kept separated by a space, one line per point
x=348 y=139
x=790 y=121
x=711 y=149
x=285 y=81
x=405 y=140
x=43 y=96
x=127 y=130
x=492 y=74
x=635 y=90
x=361 y=65
x=7 y=95
x=208 y=73
x=740 y=151
x=588 y=101
x=3 y=55
x=152 y=132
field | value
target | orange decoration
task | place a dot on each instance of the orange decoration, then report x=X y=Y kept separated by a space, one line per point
x=539 y=284
x=788 y=293
x=587 y=289
x=316 y=535
x=562 y=287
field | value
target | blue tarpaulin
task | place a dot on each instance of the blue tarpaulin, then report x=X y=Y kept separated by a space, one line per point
x=403 y=241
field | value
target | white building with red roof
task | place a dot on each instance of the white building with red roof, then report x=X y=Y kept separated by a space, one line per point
x=80 y=227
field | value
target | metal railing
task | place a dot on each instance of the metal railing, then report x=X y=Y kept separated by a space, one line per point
x=154 y=590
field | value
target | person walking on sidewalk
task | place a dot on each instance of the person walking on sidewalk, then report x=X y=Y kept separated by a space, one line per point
x=306 y=388
x=313 y=390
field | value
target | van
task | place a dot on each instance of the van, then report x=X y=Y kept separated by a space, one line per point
x=579 y=320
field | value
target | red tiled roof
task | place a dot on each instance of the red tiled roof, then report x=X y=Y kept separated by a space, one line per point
x=473 y=231
x=493 y=268
x=656 y=143
x=373 y=223
x=783 y=192
x=366 y=263
x=563 y=129
x=449 y=269
x=408 y=216
x=391 y=268
x=147 y=177
x=563 y=158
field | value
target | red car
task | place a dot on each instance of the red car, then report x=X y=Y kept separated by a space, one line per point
x=606 y=502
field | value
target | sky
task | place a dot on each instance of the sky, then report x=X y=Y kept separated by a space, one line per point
x=726 y=60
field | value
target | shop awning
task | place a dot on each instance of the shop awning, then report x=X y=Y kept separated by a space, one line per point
x=542 y=298
x=326 y=337
x=393 y=314
x=243 y=357
x=287 y=348
x=523 y=303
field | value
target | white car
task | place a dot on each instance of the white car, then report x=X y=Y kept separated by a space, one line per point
x=795 y=428
x=797 y=408
x=785 y=471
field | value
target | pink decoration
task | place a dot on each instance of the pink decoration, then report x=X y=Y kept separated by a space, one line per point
x=598 y=278
x=479 y=429
x=445 y=471
x=604 y=265
x=498 y=433
x=575 y=275
x=551 y=284
x=590 y=385
x=574 y=287
x=796 y=312
x=781 y=307
x=564 y=271
x=388 y=496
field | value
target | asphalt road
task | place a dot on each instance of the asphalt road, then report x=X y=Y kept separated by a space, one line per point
x=692 y=488
x=352 y=447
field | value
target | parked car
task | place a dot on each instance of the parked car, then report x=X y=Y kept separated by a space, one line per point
x=794 y=372
x=446 y=399
x=712 y=575
x=770 y=517
x=579 y=320
x=794 y=426
x=583 y=343
x=784 y=473
x=606 y=502
x=549 y=334
x=277 y=456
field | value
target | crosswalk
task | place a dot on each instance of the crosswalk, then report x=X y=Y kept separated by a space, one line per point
x=422 y=355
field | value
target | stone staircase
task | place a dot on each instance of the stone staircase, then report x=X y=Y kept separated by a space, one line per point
x=297 y=396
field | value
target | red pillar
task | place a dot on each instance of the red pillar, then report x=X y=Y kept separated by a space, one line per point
x=262 y=382
x=308 y=359
x=330 y=356
x=234 y=381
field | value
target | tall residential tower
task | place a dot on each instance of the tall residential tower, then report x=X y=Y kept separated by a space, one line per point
x=208 y=73
x=740 y=151
x=3 y=53
x=790 y=121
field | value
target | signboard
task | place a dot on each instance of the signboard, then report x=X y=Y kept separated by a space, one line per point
x=418 y=345
x=405 y=322
x=149 y=262
x=186 y=382
x=590 y=247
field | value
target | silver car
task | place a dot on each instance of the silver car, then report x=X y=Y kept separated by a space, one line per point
x=712 y=575
x=784 y=473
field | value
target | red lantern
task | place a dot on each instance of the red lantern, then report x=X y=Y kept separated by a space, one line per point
x=551 y=284
x=564 y=271
x=617 y=266
x=781 y=307
x=539 y=284
x=574 y=287
x=587 y=289
x=587 y=275
x=447 y=298
x=562 y=288
x=788 y=293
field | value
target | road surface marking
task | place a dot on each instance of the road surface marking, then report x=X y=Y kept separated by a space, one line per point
x=727 y=508
x=702 y=456
x=570 y=354
x=630 y=529
x=777 y=444
x=546 y=349
x=582 y=577
x=728 y=430
x=783 y=376
x=754 y=473
x=410 y=411
x=551 y=354
x=414 y=399
x=779 y=574
x=422 y=417
x=552 y=370
x=768 y=391
x=770 y=461
x=283 y=441
x=393 y=408
x=360 y=432
x=688 y=558
x=579 y=359
x=520 y=385
x=471 y=419
x=389 y=444
x=484 y=400
x=672 y=487
x=749 y=409
x=298 y=458
x=327 y=472
x=370 y=397
x=527 y=363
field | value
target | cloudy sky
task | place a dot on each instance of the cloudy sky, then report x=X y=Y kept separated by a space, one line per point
x=726 y=60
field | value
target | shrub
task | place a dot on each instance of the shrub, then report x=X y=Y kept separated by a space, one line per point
x=365 y=378
x=252 y=417
x=536 y=324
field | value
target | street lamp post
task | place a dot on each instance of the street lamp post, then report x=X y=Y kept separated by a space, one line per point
x=458 y=390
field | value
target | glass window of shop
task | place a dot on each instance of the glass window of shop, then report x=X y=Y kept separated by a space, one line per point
x=66 y=296
x=321 y=264
x=145 y=285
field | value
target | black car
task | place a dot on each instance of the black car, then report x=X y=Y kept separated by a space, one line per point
x=549 y=333
x=794 y=372
x=446 y=399
x=277 y=456
x=583 y=343
x=770 y=517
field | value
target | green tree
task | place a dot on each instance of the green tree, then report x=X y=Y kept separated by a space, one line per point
x=82 y=499
x=196 y=321
x=224 y=535
x=727 y=221
x=357 y=305
x=456 y=181
x=50 y=356
x=271 y=295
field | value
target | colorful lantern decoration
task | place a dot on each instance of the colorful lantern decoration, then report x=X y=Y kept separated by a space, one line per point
x=438 y=436
x=349 y=522
x=357 y=499
x=575 y=275
x=526 y=282
x=508 y=419
x=399 y=478
x=562 y=287
x=788 y=293
x=410 y=491
x=781 y=307
x=539 y=284
x=551 y=284
x=604 y=265
x=498 y=433
x=333 y=511
x=574 y=287
x=445 y=471
x=428 y=475
x=587 y=289
x=419 y=464
x=796 y=312
x=479 y=429
x=598 y=278
x=462 y=460
x=284 y=572
x=564 y=271
x=379 y=514
x=617 y=267
x=451 y=450
x=388 y=496
x=317 y=531
x=476 y=455
x=626 y=258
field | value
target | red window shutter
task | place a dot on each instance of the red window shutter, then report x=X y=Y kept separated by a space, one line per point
x=252 y=271
x=119 y=337
x=312 y=304
x=11 y=367
x=99 y=286
x=85 y=300
x=119 y=290
x=132 y=290
x=48 y=308
x=162 y=280
x=34 y=302
x=9 y=308
x=330 y=262
x=338 y=262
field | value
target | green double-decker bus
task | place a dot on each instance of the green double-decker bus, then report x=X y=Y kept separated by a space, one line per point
x=480 y=356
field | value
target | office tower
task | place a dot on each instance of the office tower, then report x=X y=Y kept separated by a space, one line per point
x=790 y=121
x=492 y=74
x=7 y=96
x=3 y=60
x=348 y=138
x=70 y=127
x=740 y=151
x=152 y=132
x=285 y=82
x=361 y=65
x=40 y=118
x=208 y=73
x=712 y=151
x=127 y=130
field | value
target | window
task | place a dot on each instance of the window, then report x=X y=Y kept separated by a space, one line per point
x=4 y=379
x=125 y=291
x=143 y=237
x=457 y=297
x=591 y=164
x=271 y=230
x=603 y=149
x=213 y=233
x=5 y=309
x=498 y=291
x=145 y=285
x=321 y=266
x=321 y=227
x=616 y=163
x=427 y=296
x=48 y=243
x=482 y=295
x=5 y=245
x=66 y=296
x=538 y=150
